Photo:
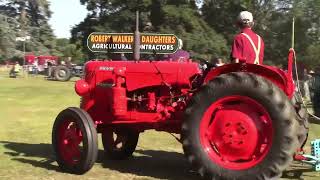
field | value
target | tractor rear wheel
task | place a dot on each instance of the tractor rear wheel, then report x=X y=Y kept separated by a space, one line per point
x=240 y=126
x=62 y=73
x=303 y=118
x=119 y=143
x=75 y=141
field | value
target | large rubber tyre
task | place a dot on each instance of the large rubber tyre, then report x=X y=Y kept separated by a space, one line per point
x=75 y=141
x=119 y=143
x=283 y=142
x=62 y=73
x=303 y=118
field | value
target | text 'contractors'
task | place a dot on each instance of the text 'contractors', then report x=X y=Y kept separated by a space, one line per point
x=129 y=47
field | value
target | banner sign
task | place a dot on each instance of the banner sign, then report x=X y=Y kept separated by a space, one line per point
x=123 y=43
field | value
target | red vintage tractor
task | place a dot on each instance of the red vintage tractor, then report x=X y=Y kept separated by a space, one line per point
x=237 y=121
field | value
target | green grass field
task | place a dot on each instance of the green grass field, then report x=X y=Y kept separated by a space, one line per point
x=28 y=107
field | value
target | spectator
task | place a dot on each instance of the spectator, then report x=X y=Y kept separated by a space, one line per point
x=35 y=67
x=315 y=87
x=181 y=55
x=68 y=62
x=17 y=68
x=50 y=68
x=310 y=83
x=62 y=62
x=148 y=28
x=123 y=57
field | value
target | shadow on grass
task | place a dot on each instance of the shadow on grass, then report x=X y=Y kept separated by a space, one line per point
x=298 y=171
x=156 y=164
x=23 y=152
x=149 y=163
x=51 y=79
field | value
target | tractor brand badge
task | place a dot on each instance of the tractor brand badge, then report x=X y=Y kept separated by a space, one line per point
x=105 y=68
x=123 y=43
x=105 y=85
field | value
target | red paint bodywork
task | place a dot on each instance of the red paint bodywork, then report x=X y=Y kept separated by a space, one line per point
x=30 y=59
x=279 y=77
x=144 y=73
x=153 y=95
x=113 y=84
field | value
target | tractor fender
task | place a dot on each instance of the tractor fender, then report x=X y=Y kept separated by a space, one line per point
x=279 y=77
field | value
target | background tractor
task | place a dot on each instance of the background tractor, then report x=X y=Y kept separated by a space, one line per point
x=39 y=64
x=237 y=121
x=50 y=66
x=65 y=72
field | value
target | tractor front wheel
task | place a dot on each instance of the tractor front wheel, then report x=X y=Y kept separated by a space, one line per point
x=240 y=126
x=75 y=141
x=119 y=143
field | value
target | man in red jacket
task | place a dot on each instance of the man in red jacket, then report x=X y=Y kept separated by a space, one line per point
x=247 y=45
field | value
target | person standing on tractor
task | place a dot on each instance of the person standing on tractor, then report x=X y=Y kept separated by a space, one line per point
x=247 y=45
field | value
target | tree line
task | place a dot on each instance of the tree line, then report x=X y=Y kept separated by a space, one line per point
x=29 y=18
x=206 y=27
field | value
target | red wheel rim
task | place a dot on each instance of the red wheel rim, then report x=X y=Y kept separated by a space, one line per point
x=69 y=142
x=236 y=132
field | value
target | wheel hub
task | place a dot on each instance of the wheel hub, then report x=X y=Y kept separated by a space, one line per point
x=236 y=132
x=70 y=138
x=62 y=73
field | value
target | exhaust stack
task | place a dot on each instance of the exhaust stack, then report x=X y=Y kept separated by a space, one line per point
x=136 y=50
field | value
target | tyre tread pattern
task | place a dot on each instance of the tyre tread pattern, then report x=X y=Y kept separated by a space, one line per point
x=282 y=150
x=66 y=69
x=87 y=125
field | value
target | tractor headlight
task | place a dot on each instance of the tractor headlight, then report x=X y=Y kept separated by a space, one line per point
x=82 y=87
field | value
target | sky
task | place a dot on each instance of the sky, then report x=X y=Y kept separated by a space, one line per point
x=65 y=15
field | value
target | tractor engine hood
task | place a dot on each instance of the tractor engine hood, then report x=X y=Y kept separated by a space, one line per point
x=143 y=73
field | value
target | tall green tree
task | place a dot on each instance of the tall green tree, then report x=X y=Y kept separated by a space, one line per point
x=184 y=20
x=180 y=17
x=307 y=13
x=66 y=49
x=273 y=21
x=7 y=38
x=31 y=19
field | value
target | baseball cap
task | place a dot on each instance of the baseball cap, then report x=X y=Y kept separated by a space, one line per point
x=245 y=16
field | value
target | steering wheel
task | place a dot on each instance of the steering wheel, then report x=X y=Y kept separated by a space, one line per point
x=205 y=62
